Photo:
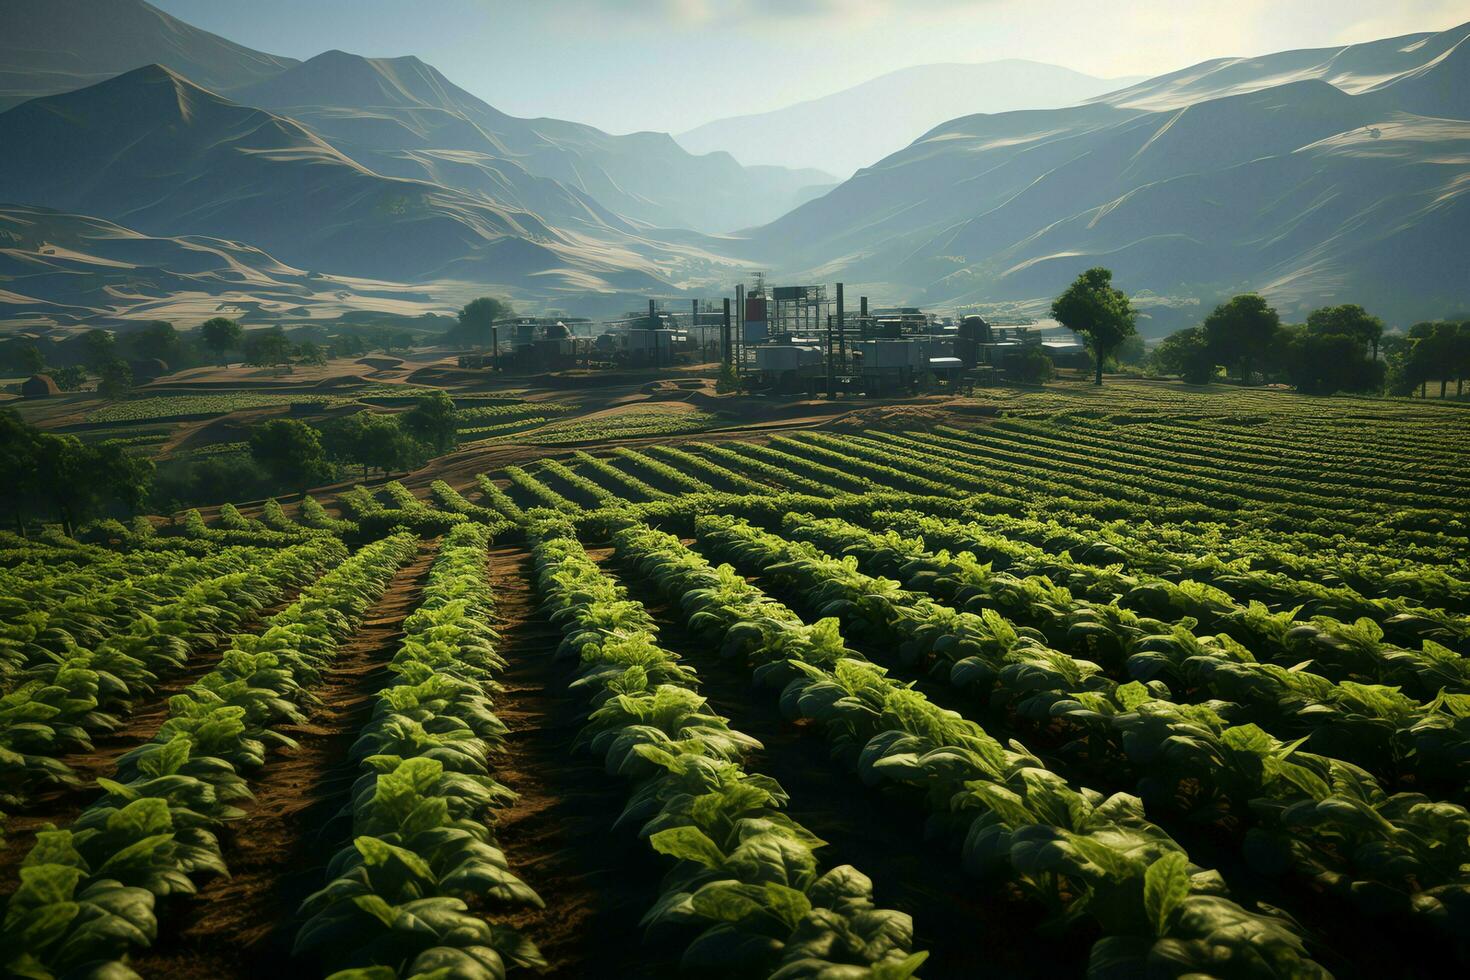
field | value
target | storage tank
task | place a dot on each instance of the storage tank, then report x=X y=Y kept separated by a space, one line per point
x=881 y=354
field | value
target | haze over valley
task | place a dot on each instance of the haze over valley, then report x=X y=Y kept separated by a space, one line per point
x=1296 y=174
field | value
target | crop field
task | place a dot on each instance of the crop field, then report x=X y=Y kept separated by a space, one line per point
x=1145 y=682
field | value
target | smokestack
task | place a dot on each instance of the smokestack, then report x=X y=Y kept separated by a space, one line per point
x=841 y=327
x=725 y=334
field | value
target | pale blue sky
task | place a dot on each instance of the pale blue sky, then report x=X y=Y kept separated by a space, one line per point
x=674 y=64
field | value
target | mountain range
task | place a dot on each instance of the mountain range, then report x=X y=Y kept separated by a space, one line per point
x=1334 y=175
x=285 y=188
x=861 y=125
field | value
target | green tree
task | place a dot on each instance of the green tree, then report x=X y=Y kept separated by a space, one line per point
x=157 y=340
x=18 y=448
x=1240 y=332
x=476 y=319
x=1101 y=313
x=267 y=348
x=1322 y=363
x=433 y=422
x=311 y=353
x=115 y=380
x=1348 y=320
x=1186 y=353
x=1032 y=365
x=291 y=451
x=30 y=358
x=99 y=348
x=221 y=336
x=70 y=378
x=82 y=481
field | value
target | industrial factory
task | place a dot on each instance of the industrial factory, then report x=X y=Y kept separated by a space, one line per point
x=791 y=341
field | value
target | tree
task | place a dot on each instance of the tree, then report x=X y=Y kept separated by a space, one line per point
x=18 y=445
x=1240 y=331
x=221 y=336
x=311 y=353
x=30 y=358
x=1322 y=363
x=82 y=481
x=70 y=378
x=291 y=451
x=1432 y=354
x=433 y=422
x=1186 y=353
x=1092 y=307
x=476 y=319
x=384 y=444
x=1348 y=320
x=99 y=348
x=267 y=348
x=1032 y=365
x=115 y=380
x=157 y=340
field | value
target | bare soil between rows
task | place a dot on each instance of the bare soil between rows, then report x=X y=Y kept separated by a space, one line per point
x=243 y=926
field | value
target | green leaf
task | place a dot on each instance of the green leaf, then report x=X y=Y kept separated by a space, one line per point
x=688 y=844
x=787 y=904
x=1165 y=885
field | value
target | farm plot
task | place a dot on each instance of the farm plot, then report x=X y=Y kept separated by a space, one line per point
x=1135 y=684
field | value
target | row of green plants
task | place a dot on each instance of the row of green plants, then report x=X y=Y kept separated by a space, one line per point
x=1166 y=444
x=1423 y=743
x=626 y=485
x=747 y=882
x=669 y=478
x=623 y=425
x=1092 y=862
x=1398 y=857
x=1200 y=497
x=701 y=467
x=1107 y=453
x=69 y=695
x=410 y=894
x=500 y=501
x=86 y=895
x=1221 y=594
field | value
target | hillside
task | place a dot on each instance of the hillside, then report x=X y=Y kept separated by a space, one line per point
x=1300 y=189
x=60 y=268
x=859 y=126
x=402 y=116
x=256 y=177
x=51 y=46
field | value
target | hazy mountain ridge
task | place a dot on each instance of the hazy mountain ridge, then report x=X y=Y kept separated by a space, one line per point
x=859 y=126
x=53 y=46
x=253 y=176
x=1300 y=189
x=387 y=107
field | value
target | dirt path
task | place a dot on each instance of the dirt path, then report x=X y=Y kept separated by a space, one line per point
x=244 y=925
x=968 y=928
x=597 y=882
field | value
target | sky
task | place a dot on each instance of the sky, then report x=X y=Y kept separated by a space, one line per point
x=671 y=65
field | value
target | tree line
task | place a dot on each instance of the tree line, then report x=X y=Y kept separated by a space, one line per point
x=106 y=355
x=61 y=479
x=1338 y=348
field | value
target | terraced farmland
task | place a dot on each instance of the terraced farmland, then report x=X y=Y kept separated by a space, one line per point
x=1151 y=683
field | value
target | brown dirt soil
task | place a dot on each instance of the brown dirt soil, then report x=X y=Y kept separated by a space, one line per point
x=244 y=925
x=597 y=882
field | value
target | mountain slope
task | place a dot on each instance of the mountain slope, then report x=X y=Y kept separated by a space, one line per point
x=58 y=268
x=859 y=126
x=51 y=46
x=382 y=111
x=1300 y=189
x=153 y=151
